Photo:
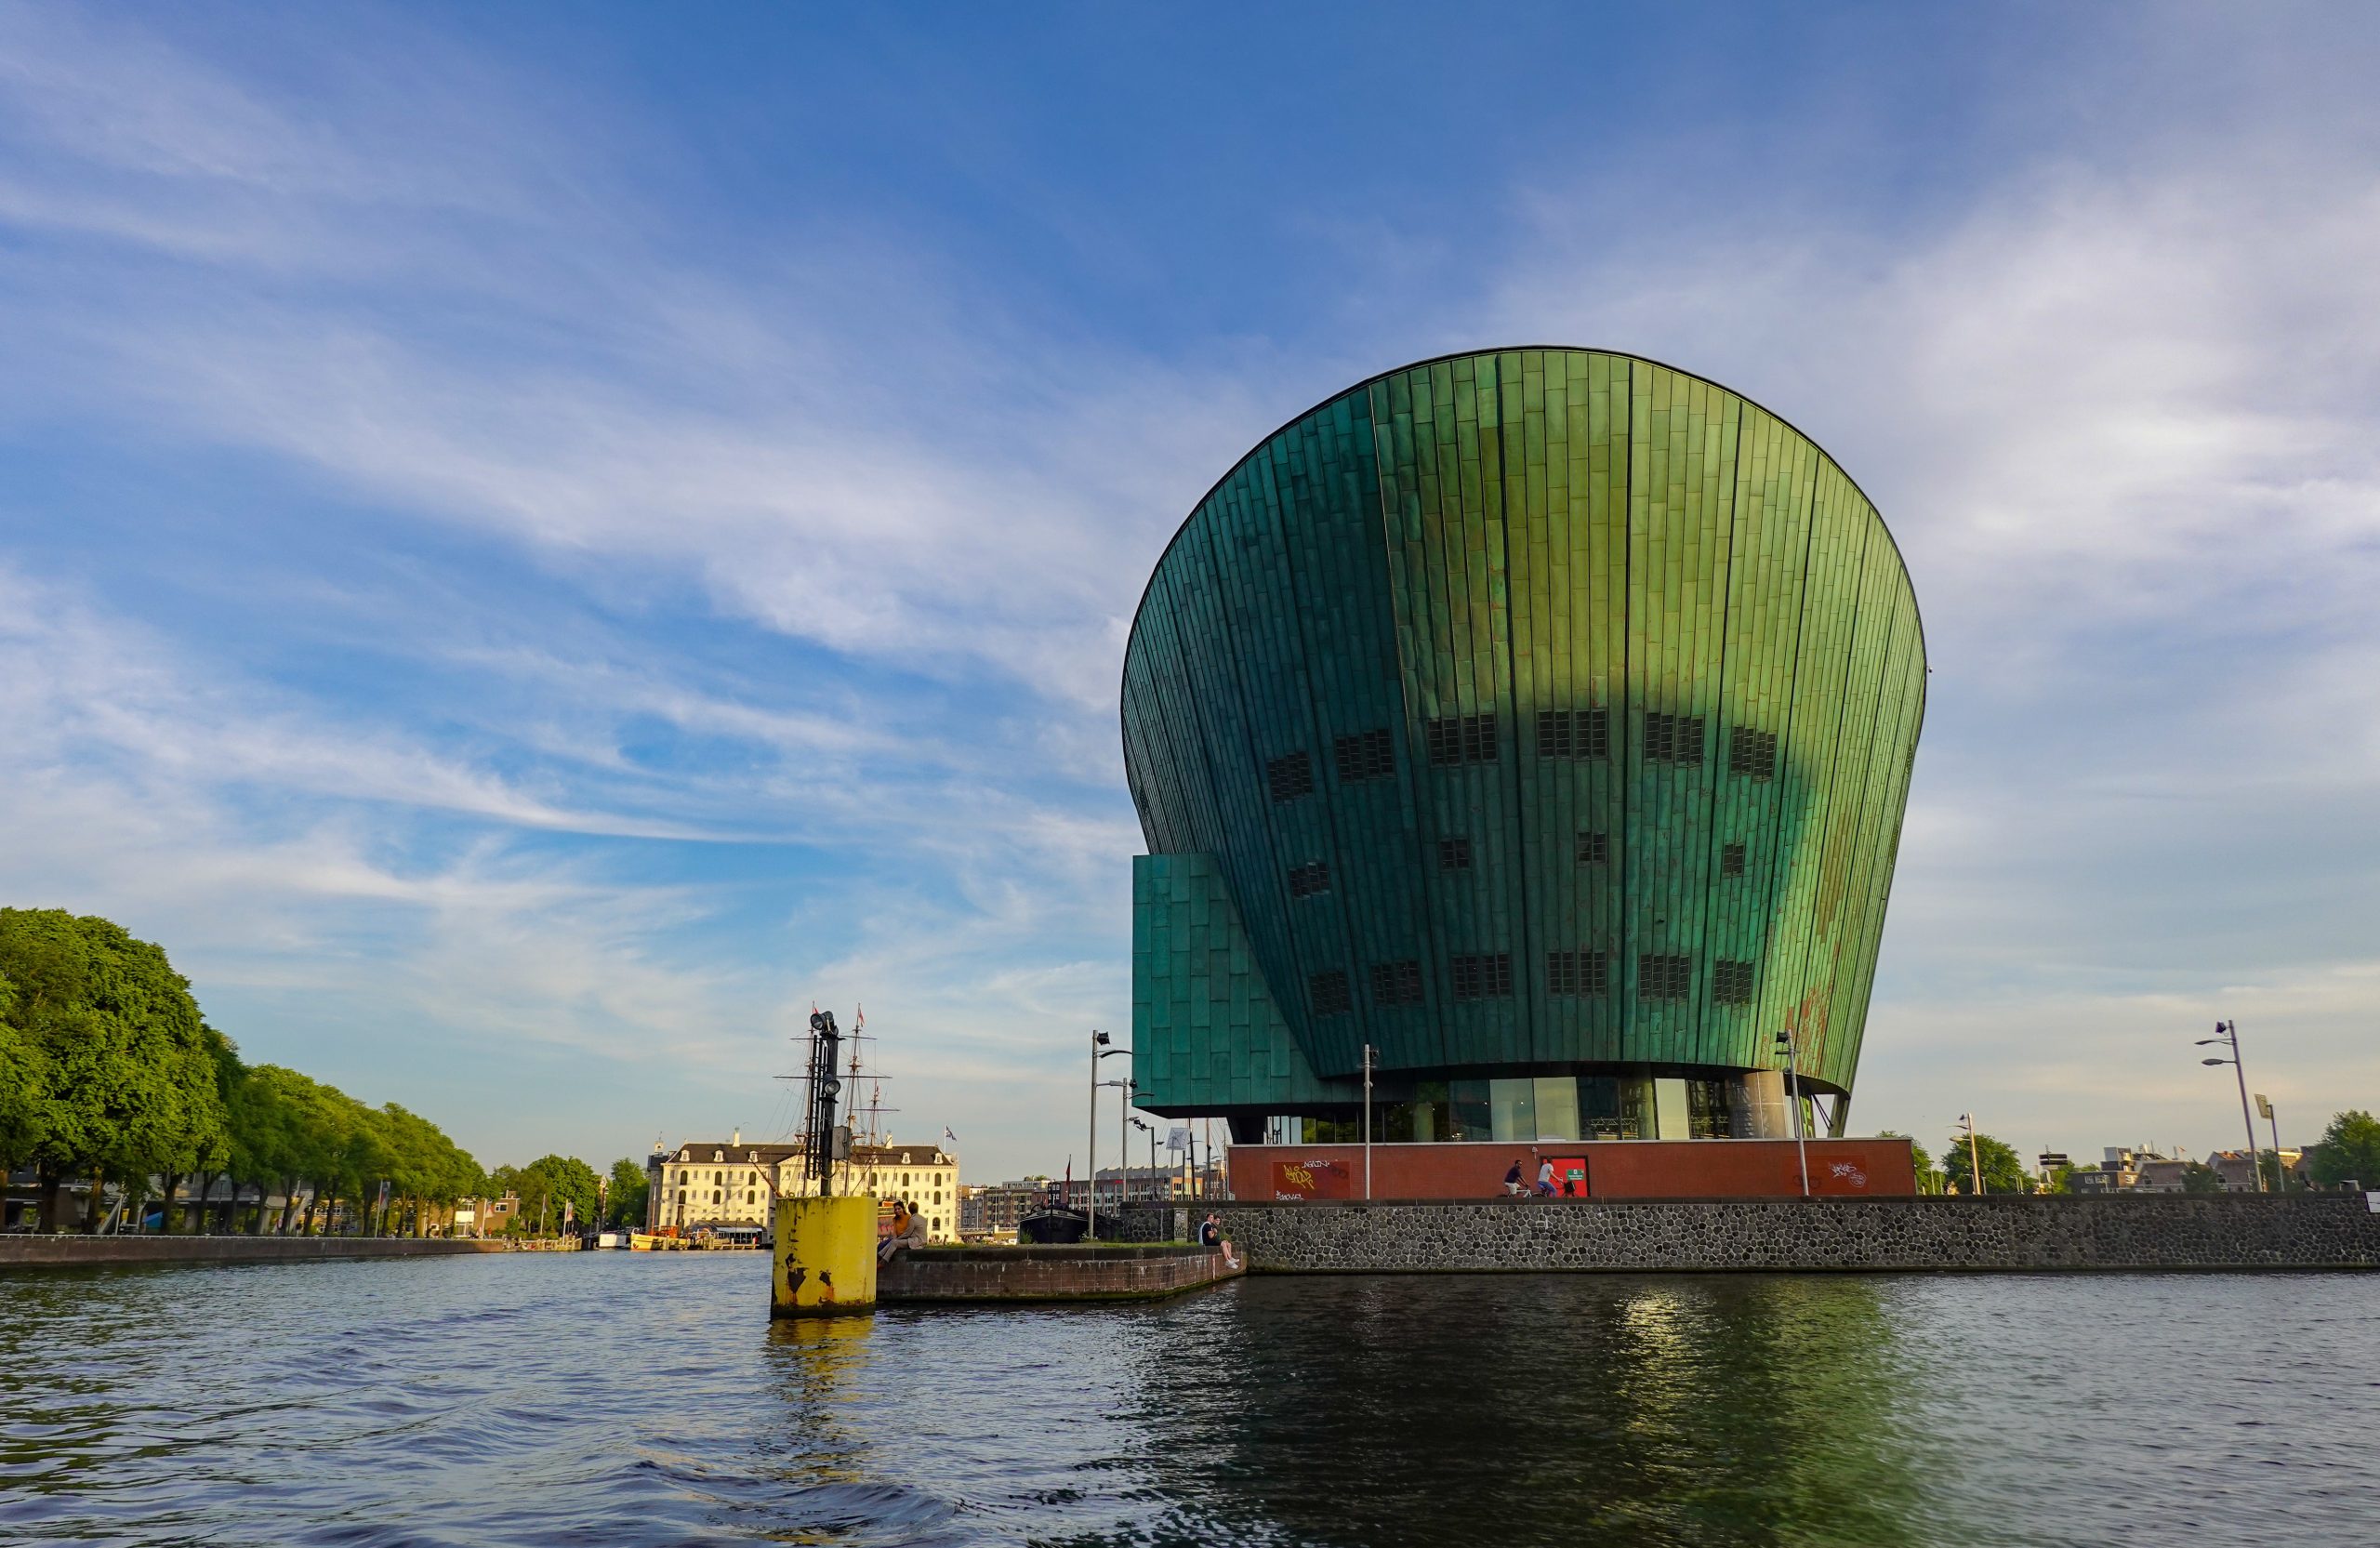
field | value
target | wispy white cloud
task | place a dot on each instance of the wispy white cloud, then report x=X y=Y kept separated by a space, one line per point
x=2119 y=409
x=2125 y=427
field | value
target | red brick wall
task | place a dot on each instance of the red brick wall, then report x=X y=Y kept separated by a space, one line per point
x=1624 y=1169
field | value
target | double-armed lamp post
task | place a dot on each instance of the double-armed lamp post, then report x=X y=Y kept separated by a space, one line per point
x=2226 y=1036
x=1100 y=1049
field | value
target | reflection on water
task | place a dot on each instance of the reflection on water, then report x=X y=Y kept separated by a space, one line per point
x=621 y=1398
x=1695 y=1410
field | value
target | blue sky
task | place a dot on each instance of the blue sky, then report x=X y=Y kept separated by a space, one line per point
x=536 y=541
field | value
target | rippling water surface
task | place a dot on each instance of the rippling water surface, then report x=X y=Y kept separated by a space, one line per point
x=633 y=1398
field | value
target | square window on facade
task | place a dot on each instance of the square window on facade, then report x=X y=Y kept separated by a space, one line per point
x=1673 y=739
x=1731 y=983
x=1290 y=777
x=1576 y=974
x=1307 y=879
x=1751 y=754
x=1365 y=755
x=1731 y=859
x=1396 y=984
x=1482 y=976
x=1595 y=849
x=1455 y=739
x=1662 y=976
x=1329 y=995
x=1581 y=733
x=1454 y=854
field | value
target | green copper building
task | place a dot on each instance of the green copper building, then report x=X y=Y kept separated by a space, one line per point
x=1540 y=719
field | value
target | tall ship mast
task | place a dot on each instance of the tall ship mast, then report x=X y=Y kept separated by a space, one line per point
x=833 y=1120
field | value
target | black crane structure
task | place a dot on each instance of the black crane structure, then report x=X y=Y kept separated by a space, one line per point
x=827 y=1142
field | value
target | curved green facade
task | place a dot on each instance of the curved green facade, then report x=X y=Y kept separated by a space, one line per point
x=1525 y=713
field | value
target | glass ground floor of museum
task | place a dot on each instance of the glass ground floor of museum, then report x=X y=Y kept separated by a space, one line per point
x=1639 y=1102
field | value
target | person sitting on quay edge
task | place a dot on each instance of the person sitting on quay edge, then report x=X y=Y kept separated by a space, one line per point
x=1545 y=1178
x=908 y=1231
x=1513 y=1178
x=1210 y=1231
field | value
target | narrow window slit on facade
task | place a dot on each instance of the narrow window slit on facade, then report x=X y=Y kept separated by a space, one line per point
x=1483 y=975
x=1595 y=849
x=1395 y=983
x=1329 y=994
x=1290 y=777
x=1365 y=755
x=1731 y=859
x=1574 y=733
x=1455 y=739
x=1309 y=878
x=1673 y=738
x=1454 y=854
x=1731 y=983
x=1577 y=974
x=1664 y=976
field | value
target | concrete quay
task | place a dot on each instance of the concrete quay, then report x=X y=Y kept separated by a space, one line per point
x=1082 y=1272
x=70 y=1252
x=1828 y=1235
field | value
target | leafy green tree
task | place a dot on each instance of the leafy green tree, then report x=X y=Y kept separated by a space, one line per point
x=108 y=1072
x=425 y=1170
x=24 y=1074
x=2276 y=1180
x=2198 y=1177
x=625 y=1204
x=2350 y=1149
x=2062 y=1180
x=548 y=1184
x=2004 y=1171
x=1929 y=1179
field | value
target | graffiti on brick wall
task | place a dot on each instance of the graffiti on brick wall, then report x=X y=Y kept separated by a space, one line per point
x=1311 y=1180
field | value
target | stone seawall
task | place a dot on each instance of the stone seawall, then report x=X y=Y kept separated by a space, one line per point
x=81 y=1252
x=1046 y=1273
x=2169 y=1231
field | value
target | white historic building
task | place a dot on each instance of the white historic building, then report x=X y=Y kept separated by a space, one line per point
x=702 y=1183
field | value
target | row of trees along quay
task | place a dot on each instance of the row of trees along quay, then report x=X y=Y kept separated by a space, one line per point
x=109 y=1074
x=2347 y=1152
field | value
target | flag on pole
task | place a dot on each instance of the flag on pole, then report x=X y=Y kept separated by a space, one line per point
x=951 y=1137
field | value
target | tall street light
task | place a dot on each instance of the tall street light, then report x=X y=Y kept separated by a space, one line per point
x=2264 y=1111
x=1124 y=1167
x=1091 y=1164
x=2226 y=1036
x=1368 y=1054
x=1124 y=1090
x=1975 y=1161
x=1785 y=1046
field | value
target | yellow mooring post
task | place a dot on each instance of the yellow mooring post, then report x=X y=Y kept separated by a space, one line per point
x=825 y=1258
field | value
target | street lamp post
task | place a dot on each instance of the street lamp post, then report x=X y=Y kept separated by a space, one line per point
x=1091 y=1163
x=1369 y=1053
x=1975 y=1161
x=2227 y=1034
x=1123 y=1150
x=2264 y=1110
x=1793 y=1076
